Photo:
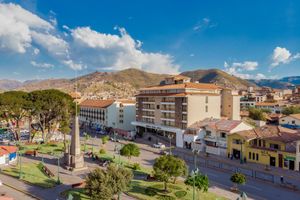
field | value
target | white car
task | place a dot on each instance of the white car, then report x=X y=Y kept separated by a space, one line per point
x=159 y=145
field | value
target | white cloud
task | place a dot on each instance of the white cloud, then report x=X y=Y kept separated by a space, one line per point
x=238 y=69
x=282 y=55
x=16 y=25
x=41 y=65
x=117 y=52
x=76 y=48
x=203 y=24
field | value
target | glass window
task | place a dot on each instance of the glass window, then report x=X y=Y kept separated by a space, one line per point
x=250 y=155
x=223 y=135
x=206 y=108
x=257 y=156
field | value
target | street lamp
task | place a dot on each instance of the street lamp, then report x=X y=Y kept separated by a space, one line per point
x=196 y=170
x=58 y=156
x=20 y=163
x=170 y=145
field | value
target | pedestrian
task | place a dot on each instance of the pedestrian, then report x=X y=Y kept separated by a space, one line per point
x=281 y=179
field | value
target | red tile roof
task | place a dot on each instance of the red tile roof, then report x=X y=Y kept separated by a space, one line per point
x=4 y=150
x=97 y=103
x=217 y=124
x=273 y=133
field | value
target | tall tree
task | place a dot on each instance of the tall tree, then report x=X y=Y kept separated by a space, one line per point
x=14 y=106
x=167 y=167
x=51 y=107
x=104 y=184
x=200 y=181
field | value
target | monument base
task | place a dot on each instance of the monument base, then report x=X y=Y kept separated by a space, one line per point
x=74 y=162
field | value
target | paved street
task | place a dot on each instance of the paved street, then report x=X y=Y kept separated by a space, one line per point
x=8 y=191
x=219 y=180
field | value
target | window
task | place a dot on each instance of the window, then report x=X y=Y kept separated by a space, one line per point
x=264 y=143
x=253 y=156
x=257 y=156
x=286 y=163
x=208 y=133
x=255 y=142
x=206 y=99
x=249 y=155
x=206 y=108
x=274 y=146
x=236 y=141
x=293 y=122
x=157 y=107
x=223 y=135
x=259 y=143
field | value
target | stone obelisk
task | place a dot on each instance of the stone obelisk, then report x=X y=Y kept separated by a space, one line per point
x=74 y=158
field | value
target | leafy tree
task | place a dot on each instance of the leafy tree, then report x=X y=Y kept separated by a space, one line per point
x=257 y=114
x=291 y=110
x=238 y=179
x=201 y=182
x=50 y=108
x=130 y=150
x=104 y=184
x=14 y=106
x=167 y=167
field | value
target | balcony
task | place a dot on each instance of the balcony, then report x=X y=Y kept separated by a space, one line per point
x=167 y=119
x=167 y=111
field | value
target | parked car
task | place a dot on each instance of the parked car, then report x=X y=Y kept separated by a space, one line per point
x=165 y=153
x=159 y=145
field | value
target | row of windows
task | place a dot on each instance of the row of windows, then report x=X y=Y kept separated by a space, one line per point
x=253 y=156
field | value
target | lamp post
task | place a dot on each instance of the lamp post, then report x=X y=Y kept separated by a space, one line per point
x=170 y=145
x=195 y=171
x=20 y=163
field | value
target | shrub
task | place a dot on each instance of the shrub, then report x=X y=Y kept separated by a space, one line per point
x=166 y=197
x=102 y=151
x=180 y=194
x=150 y=191
x=238 y=178
x=136 y=166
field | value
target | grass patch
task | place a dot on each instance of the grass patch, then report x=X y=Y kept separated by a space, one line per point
x=146 y=190
x=31 y=173
x=78 y=194
x=43 y=148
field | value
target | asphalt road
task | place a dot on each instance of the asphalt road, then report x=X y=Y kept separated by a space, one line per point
x=9 y=192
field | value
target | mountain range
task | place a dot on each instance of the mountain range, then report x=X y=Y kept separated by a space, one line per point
x=124 y=83
x=282 y=83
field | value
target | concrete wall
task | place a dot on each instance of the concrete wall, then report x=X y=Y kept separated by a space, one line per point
x=129 y=116
x=196 y=107
x=289 y=120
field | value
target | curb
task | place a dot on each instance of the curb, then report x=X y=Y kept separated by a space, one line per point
x=24 y=192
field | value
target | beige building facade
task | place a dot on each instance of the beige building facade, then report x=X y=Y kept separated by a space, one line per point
x=167 y=110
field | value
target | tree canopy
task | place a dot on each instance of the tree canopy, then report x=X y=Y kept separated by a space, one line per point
x=104 y=184
x=48 y=108
x=291 y=110
x=201 y=181
x=238 y=178
x=130 y=150
x=257 y=114
x=167 y=167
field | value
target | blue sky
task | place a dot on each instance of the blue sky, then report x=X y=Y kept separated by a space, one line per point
x=49 y=39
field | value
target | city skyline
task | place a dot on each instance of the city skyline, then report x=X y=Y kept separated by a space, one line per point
x=41 y=39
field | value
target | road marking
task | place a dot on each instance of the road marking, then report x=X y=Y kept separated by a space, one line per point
x=251 y=186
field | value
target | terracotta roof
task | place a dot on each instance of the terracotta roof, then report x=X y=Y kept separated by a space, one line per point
x=273 y=133
x=97 y=103
x=126 y=101
x=266 y=104
x=7 y=150
x=183 y=86
x=217 y=124
x=296 y=116
x=182 y=94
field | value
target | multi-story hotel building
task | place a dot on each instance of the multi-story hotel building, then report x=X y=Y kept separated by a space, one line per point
x=117 y=114
x=170 y=108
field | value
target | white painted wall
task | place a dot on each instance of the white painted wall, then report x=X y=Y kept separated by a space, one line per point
x=289 y=120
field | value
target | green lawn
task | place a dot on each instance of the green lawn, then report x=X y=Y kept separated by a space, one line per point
x=78 y=194
x=145 y=190
x=43 y=148
x=31 y=173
